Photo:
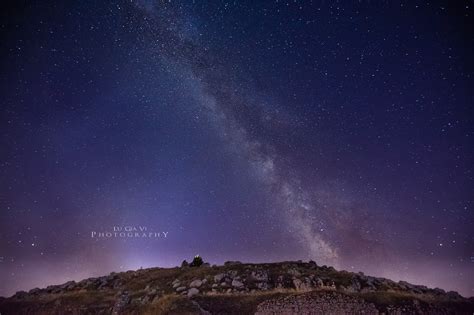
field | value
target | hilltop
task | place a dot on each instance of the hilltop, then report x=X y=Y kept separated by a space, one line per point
x=237 y=288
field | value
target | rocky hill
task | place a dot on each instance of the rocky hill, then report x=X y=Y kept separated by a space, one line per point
x=237 y=288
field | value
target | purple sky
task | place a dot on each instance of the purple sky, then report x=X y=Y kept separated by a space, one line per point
x=267 y=131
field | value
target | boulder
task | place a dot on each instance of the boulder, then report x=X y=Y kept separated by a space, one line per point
x=192 y=292
x=195 y=284
x=219 y=277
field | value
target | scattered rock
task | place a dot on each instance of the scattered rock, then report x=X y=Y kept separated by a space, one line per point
x=259 y=275
x=122 y=300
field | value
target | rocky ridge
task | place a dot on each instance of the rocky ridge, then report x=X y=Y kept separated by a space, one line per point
x=236 y=288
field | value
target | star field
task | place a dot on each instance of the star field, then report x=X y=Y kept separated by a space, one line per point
x=280 y=130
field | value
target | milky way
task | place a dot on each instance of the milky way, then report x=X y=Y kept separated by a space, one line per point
x=257 y=132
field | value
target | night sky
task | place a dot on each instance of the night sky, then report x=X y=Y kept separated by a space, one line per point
x=250 y=130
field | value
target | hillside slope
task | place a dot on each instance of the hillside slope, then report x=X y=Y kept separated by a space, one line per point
x=236 y=288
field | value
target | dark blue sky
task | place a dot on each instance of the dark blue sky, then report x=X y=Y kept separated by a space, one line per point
x=264 y=131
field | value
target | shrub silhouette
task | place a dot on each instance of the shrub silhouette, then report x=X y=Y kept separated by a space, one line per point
x=197 y=261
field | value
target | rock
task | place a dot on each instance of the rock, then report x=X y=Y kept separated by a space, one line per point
x=192 y=292
x=219 y=277
x=180 y=289
x=259 y=275
x=176 y=284
x=318 y=282
x=263 y=286
x=237 y=284
x=195 y=284
x=122 y=300
x=454 y=295
x=294 y=272
x=215 y=285
x=302 y=285
x=439 y=291
x=232 y=273
x=20 y=295
x=34 y=291
x=68 y=285
x=103 y=283
x=279 y=282
x=144 y=300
